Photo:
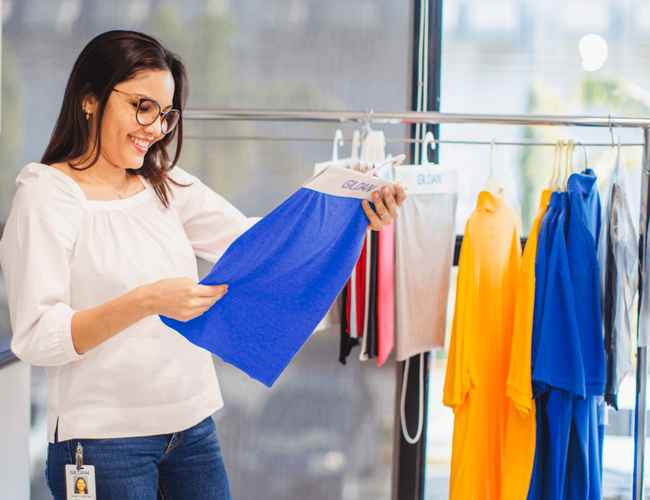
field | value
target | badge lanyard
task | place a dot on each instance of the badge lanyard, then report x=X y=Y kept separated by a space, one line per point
x=80 y=478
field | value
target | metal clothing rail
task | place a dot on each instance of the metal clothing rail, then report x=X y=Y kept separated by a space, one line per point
x=393 y=140
x=414 y=117
x=410 y=117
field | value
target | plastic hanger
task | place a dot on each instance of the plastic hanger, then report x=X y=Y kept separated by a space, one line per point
x=390 y=160
x=557 y=181
x=491 y=184
x=356 y=141
x=617 y=165
x=338 y=142
x=566 y=168
x=429 y=139
x=584 y=150
x=568 y=165
x=373 y=146
x=556 y=166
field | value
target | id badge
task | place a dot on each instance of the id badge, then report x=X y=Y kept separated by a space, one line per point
x=80 y=479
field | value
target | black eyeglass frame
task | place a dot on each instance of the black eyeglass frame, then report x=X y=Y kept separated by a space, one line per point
x=161 y=114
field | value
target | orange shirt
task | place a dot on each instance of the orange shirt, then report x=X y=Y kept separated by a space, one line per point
x=479 y=354
x=519 y=451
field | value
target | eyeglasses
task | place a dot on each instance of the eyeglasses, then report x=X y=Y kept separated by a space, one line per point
x=149 y=110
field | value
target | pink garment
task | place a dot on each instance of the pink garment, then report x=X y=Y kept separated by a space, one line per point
x=386 y=294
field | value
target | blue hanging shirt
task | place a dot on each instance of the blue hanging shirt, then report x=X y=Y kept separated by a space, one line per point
x=583 y=478
x=582 y=244
x=283 y=274
x=557 y=356
x=557 y=369
x=544 y=242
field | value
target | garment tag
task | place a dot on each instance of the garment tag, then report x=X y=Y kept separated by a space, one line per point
x=80 y=484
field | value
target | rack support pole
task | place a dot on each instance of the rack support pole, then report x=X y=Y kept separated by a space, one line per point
x=642 y=353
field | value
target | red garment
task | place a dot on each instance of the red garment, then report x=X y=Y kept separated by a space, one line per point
x=359 y=296
x=361 y=290
x=386 y=294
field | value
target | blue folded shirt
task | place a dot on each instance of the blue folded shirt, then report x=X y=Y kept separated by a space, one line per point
x=283 y=274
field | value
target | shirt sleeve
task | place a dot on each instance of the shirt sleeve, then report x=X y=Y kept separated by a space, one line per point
x=35 y=251
x=211 y=223
x=458 y=376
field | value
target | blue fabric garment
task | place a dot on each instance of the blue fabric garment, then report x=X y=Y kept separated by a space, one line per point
x=568 y=356
x=557 y=360
x=582 y=246
x=601 y=409
x=557 y=368
x=283 y=275
x=544 y=243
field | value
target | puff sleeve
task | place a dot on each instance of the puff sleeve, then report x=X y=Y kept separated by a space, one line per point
x=35 y=251
x=211 y=223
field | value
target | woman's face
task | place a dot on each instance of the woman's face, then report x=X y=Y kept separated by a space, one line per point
x=120 y=127
x=81 y=485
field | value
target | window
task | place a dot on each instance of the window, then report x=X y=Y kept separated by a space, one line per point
x=557 y=70
x=325 y=430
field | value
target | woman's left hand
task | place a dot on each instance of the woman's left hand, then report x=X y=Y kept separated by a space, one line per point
x=386 y=206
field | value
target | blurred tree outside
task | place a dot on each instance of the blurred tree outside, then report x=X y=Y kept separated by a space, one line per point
x=593 y=97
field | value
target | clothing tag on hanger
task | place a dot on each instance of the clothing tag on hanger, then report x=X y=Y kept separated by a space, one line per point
x=80 y=479
x=345 y=182
x=427 y=179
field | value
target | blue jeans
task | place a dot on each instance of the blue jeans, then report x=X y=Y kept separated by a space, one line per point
x=184 y=465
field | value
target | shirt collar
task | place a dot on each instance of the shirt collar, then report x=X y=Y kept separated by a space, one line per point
x=488 y=201
x=582 y=182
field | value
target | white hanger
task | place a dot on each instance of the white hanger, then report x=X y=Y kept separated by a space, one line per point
x=390 y=160
x=429 y=139
x=557 y=183
x=338 y=141
x=356 y=141
x=556 y=166
x=568 y=165
x=373 y=146
x=584 y=151
x=617 y=165
x=491 y=184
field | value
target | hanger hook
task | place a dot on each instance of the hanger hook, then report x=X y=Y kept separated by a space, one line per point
x=368 y=122
x=338 y=142
x=428 y=139
x=492 y=144
x=584 y=150
x=611 y=128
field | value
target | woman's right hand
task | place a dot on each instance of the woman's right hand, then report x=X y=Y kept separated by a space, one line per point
x=182 y=298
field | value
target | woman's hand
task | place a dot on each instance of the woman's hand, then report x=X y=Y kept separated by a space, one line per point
x=181 y=298
x=386 y=206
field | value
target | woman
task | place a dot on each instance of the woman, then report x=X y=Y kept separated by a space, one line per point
x=80 y=487
x=101 y=238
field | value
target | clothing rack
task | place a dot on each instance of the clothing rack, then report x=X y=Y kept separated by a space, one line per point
x=428 y=117
x=410 y=117
x=393 y=140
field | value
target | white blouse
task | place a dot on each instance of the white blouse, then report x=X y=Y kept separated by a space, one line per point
x=61 y=252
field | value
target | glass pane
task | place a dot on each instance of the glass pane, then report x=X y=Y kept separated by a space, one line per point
x=524 y=57
x=324 y=431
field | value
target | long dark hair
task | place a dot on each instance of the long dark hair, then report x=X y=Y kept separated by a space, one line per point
x=108 y=59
